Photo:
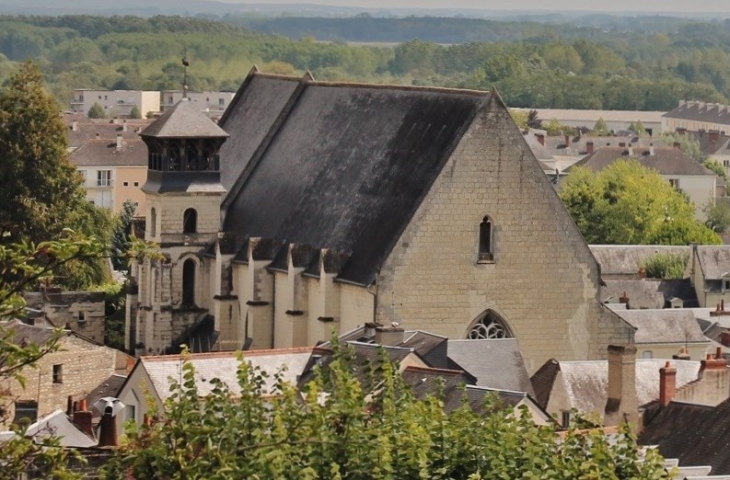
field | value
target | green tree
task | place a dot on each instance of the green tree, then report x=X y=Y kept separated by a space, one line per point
x=601 y=128
x=637 y=128
x=718 y=216
x=41 y=192
x=627 y=203
x=666 y=266
x=135 y=113
x=714 y=166
x=689 y=145
x=338 y=428
x=96 y=111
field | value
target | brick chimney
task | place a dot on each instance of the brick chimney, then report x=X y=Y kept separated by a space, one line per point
x=540 y=138
x=667 y=384
x=720 y=310
x=589 y=148
x=388 y=336
x=713 y=363
x=622 y=404
x=624 y=299
x=567 y=141
x=108 y=429
x=82 y=419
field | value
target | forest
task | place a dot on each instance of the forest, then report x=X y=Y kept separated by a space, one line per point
x=611 y=65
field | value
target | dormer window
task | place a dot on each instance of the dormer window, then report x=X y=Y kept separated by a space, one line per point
x=486 y=241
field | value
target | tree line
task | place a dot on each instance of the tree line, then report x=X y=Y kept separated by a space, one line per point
x=532 y=65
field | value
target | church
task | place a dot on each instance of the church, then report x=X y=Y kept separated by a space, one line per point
x=314 y=207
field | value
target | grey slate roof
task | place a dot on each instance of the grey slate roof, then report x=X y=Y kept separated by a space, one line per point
x=669 y=325
x=712 y=144
x=586 y=382
x=103 y=152
x=184 y=121
x=695 y=434
x=59 y=425
x=347 y=166
x=28 y=334
x=627 y=259
x=254 y=109
x=577 y=146
x=666 y=161
x=495 y=363
x=108 y=388
x=649 y=293
x=714 y=261
x=701 y=112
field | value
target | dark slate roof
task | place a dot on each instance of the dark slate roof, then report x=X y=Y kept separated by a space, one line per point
x=649 y=293
x=250 y=116
x=543 y=380
x=103 y=152
x=28 y=334
x=701 y=112
x=347 y=168
x=495 y=363
x=184 y=121
x=714 y=261
x=432 y=348
x=628 y=259
x=666 y=161
x=695 y=434
x=108 y=388
x=670 y=325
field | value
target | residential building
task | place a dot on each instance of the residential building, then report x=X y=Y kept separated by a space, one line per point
x=211 y=103
x=349 y=204
x=710 y=274
x=715 y=145
x=116 y=103
x=80 y=312
x=76 y=369
x=692 y=116
x=616 y=120
x=681 y=171
x=114 y=170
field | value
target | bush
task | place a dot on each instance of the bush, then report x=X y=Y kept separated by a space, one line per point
x=667 y=266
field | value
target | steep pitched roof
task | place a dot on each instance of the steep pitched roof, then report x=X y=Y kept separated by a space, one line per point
x=347 y=167
x=701 y=112
x=183 y=121
x=628 y=259
x=251 y=115
x=714 y=261
x=695 y=434
x=666 y=161
x=495 y=363
x=103 y=152
x=669 y=325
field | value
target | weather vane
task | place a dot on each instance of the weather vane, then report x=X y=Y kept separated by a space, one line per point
x=186 y=64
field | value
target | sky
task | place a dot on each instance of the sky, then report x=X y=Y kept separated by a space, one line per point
x=696 y=6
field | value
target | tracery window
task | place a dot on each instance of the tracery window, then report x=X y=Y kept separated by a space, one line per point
x=489 y=326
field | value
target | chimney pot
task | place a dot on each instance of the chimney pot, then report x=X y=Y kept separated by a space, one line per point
x=667 y=384
x=108 y=429
x=83 y=420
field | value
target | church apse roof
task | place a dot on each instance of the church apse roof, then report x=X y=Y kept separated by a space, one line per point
x=345 y=166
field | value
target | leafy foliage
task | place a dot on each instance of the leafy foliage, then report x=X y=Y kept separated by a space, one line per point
x=42 y=193
x=96 y=111
x=337 y=429
x=666 y=266
x=718 y=216
x=690 y=146
x=630 y=204
x=135 y=113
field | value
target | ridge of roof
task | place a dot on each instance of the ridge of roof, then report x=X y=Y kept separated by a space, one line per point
x=246 y=353
x=184 y=120
x=443 y=371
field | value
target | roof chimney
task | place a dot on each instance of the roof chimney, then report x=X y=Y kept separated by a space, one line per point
x=631 y=151
x=108 y=429
x=98 y=136
x=624 y=299
x=82 y=418
x=667 y=384
x=651 y=149
x=567 y=140
x=124 y=125
x=682 y=355
x=119 y=141
x=388 y=336
x=75 y=126
x=540 y=138
x=622 y=403
x=589 y=148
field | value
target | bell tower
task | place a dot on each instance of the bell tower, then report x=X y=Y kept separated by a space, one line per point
x=183 y=194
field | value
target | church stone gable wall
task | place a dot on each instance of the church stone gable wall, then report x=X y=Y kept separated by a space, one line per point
x=356 y=306
x=544 y=280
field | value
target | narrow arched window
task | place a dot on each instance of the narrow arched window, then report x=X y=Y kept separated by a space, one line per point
x=190 y=221
x=486 y=240
x=188 y=282
x=153 y=222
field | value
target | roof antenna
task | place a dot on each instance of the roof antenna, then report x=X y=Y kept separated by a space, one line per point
x=186 y=64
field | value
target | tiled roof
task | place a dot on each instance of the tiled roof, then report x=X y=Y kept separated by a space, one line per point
x=224 y=366
x=649 y=293
x=669 y=325
x=701 y=112
x=495 y=363
x=58 y=424
x=28 y=334
x=628 y=259
x=666 y=161
x=102 y=152
x=714 y=261
x=184 y=121
x=109 y=131
x=695 y=434
x=586 y=382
